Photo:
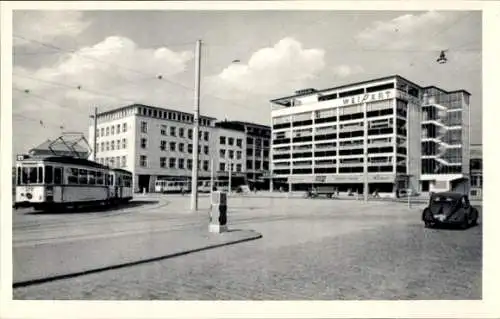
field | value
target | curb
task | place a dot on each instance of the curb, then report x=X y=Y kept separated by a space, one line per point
x=38 y=281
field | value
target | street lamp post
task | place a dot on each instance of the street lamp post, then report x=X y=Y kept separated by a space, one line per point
x=196 y=129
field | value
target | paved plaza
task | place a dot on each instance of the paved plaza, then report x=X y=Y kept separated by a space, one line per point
x=310 y=249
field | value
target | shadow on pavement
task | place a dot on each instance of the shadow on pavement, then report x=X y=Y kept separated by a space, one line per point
x=95 y=209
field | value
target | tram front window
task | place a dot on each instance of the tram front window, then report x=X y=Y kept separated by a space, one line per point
x=31 y=175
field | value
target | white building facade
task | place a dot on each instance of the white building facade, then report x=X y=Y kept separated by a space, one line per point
x=153 y=143
x=413 y=137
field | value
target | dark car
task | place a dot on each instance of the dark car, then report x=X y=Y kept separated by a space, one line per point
x=450 y=209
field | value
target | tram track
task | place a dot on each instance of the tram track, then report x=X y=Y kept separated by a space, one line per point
x=143 y=231
x=84 y=217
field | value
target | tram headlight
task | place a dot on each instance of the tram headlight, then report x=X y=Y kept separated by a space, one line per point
x=29 y=196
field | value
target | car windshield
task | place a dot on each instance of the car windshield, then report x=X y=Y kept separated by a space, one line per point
x=443 y=199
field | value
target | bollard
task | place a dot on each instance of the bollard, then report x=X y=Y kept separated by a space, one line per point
x=218 y=213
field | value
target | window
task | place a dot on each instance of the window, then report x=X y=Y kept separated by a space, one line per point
x=112 y=130
x=231 y=154
x=124 y=127
x=117 y=144
x=82 y=176
x=97 y=133
x=181 y=132
x=249 y=164
x=171 y=162
x=118 y=129
x=249 y=152
x=143 y=161
x=222 y=167
x=238 y=167
x=163 y=145
x=238 y=154
x=107 y=146
x=239 y=142
x=102 y=147
x=181 y=163
x=102 y=131
x=107 y=131
x=230 y=141
x=172 y=146
x=265 y=166
x=48 y=174
x=190 y=148
x=172 y=131
x=57 y=175
x=144 y=127
x=205 y=149
x=163 y=162
x=205 y=165
x=249 y=141
x=124 y=161
x=222 y=153
x=124 y=143
x=144 y=143
x=266 y=143
x=117 y=161
x=189 y=163
x=163 y=130
x=181 y=147
x=112 y=145
x=190 y=133
x=72 y=176
x=206 y=136
x=99 y=178
x=222 y=140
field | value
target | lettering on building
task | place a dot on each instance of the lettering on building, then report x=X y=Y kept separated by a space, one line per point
x=368 y=97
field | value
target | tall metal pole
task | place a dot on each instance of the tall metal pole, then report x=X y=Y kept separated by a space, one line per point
x=408 y=154
x=230 y=176
x=365 y=155
x=212 y=170
x=194 y=178
x=94 y=157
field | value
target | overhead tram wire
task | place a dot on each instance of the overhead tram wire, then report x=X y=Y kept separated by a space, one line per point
x=101 y=61
x=153 y=47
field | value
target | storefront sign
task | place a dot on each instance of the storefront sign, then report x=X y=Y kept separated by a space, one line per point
x=368 y=97
x=341 y=178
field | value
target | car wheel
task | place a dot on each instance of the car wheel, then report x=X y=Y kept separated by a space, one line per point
x=475 y=216
x=465 y=222
x=428 y=224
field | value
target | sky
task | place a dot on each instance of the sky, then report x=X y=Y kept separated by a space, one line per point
x=68 y=62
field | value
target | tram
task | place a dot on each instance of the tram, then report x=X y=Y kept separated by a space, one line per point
x=172 y=186
x=54 y=182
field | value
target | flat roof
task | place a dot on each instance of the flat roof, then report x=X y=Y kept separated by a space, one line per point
x=396 y=76
x=247 y=124
x=121 y=108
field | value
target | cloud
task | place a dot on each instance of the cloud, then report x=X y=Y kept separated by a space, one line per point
x=44 y=26
x=347 y=70
x=112 y=73
x=404 y=32
x=286 y=66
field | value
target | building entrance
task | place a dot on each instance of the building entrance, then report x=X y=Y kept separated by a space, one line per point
x=144 y=183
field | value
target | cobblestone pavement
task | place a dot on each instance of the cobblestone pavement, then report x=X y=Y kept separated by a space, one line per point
x=321 y=249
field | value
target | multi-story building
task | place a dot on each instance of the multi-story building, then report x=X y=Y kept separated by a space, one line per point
x=229 y=158
x=413 y=137
x=254 y=147
x=476 y=170
x=151 y=142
